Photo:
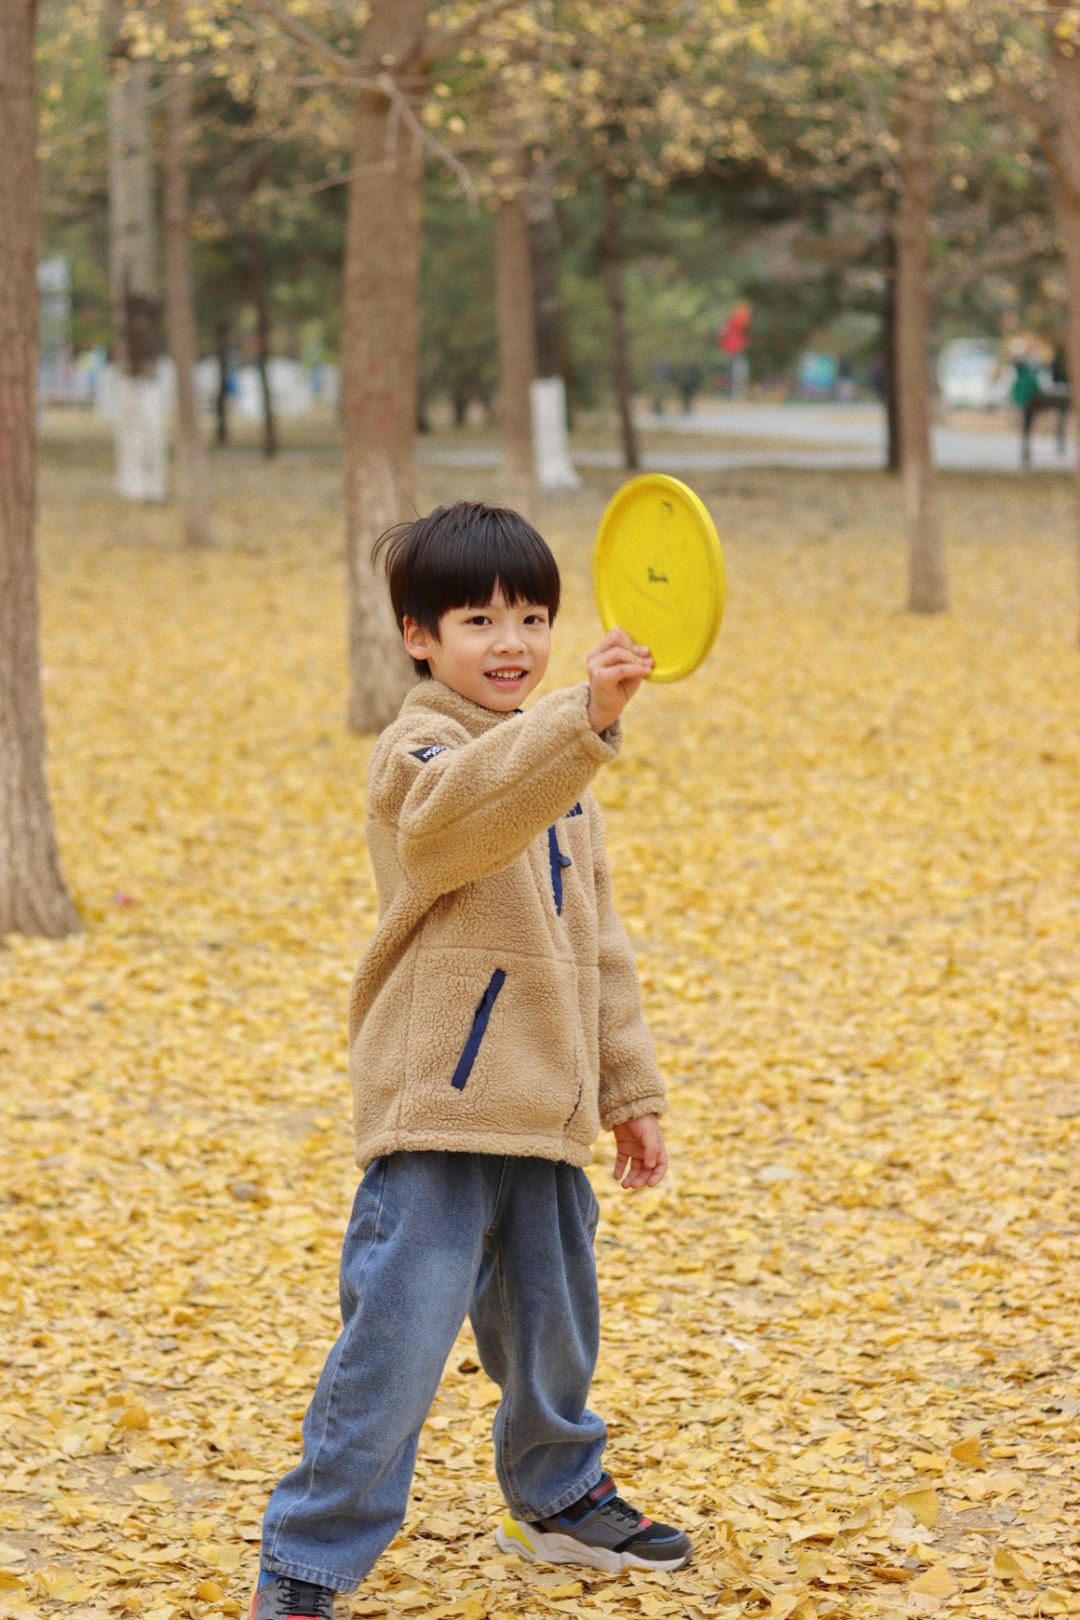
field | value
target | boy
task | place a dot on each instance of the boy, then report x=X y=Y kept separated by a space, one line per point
x=494 y=1025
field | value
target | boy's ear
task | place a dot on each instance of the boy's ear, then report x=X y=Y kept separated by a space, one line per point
x=417 y=638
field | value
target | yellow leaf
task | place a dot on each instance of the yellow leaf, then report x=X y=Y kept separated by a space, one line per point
x=968 y=1451
x=933 y=1586
x=209 y=1591
x=922 y=1505
x=1009 y=1568
x=134 y=1416
x=152 y=1490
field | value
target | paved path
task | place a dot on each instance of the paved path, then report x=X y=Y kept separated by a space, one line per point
x=814 y=436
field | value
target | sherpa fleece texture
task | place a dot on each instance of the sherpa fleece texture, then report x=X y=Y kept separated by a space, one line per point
x=497 y=1008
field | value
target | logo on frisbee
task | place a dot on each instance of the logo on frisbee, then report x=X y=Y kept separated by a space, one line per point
x=657 y=579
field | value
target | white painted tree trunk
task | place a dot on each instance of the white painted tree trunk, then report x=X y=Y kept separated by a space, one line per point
x=141 y=419
x=141 y=437
x=554 y=469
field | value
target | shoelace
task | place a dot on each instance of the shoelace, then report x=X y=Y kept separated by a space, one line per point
x=301 y=1597
x=621 y=1510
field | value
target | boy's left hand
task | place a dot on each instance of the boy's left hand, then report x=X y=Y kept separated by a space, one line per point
x=640 y=1154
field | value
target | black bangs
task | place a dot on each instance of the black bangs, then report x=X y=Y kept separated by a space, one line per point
x=458 y=556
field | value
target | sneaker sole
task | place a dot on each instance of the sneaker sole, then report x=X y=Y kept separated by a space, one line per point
x=548 y=1547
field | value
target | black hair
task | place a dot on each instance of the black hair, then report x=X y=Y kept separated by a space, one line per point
x=458 y=556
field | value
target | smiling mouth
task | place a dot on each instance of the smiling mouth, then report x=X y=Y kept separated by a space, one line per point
x=505 y=677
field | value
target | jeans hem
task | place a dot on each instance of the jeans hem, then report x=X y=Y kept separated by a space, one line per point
x=567 y=1497
x=309 y=1573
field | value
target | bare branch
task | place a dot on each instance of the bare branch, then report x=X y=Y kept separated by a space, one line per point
x=1038 y=247
x=442 y=42
x=304 y=36
x=407 y=115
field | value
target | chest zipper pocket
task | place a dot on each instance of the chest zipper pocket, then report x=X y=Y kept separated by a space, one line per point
x=558 y=860
x=476 y=1034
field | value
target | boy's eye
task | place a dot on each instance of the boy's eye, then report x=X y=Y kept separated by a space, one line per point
x=535 y=618
x=478 y=618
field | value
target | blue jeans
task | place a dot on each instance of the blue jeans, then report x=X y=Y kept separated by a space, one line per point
x=433 y=1236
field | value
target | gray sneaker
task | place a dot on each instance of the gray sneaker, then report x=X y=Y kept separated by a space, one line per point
x=600 y=1530
x=289 y=1599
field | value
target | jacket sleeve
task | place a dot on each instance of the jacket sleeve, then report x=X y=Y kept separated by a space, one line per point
x=469 y=809
x=630 y=1082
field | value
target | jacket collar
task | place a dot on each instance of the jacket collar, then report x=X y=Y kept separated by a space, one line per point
x=432 y=694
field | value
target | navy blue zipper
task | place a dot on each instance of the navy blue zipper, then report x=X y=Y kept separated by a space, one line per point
x=476 y=1034
x=558 y=861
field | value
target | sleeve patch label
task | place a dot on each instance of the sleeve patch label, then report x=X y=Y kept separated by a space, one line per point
x=576 y=811
x=424 y=754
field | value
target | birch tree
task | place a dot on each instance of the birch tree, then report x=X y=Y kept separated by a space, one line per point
x=33 y=896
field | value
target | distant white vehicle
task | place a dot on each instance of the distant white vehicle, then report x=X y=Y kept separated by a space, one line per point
x=971 y=374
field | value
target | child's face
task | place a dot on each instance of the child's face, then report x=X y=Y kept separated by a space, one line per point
x=493 y=655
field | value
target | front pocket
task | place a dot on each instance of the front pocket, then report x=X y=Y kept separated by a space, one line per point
x=476 y=1034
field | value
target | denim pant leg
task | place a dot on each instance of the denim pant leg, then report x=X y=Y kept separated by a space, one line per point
x=408 y=1269
x=536 y=1316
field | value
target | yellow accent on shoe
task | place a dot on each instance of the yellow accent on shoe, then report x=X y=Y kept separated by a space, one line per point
x=513 y=1530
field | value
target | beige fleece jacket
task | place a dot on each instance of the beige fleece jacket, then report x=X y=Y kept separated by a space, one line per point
x=497 y=1008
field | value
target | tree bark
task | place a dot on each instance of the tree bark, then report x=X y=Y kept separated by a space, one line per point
x=612 y=248
x=33 y=896
x=551 y=456
x=1066 y=97
x=926 y=562
x=381 y=299
x=517 y=342
x=888 y=356
x=261 y=298
x=192 y=464
x=140 y=433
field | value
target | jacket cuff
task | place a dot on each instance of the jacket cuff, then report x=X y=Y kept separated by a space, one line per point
x=655 y=1103
x=611 y=736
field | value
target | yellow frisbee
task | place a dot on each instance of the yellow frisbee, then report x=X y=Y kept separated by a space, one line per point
x=658 y=572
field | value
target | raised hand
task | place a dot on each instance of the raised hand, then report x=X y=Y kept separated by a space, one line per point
x=616 y=669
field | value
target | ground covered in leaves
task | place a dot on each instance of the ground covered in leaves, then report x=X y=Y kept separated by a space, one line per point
x=840 y=1342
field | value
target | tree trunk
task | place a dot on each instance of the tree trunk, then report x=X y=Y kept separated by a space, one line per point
x=33 y=898
x=926 y=562
x=192 y=465
x=888 y=357
x=554 y=469
x=517 y=343
x=381 y=299
x=1066 y=94
x=617 y=305
x=260 y=295
x=140 y=435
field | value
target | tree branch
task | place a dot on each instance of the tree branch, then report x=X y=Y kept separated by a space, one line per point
x=442 y=41
x=1044 y=129
x=304 y=36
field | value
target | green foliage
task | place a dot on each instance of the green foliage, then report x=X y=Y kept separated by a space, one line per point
x=458 y=340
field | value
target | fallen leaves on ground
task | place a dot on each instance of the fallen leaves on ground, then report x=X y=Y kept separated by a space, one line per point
x=839 y=1343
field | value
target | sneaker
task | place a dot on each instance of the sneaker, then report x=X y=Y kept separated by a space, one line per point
x=599 y=1529
x=287 y=1599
